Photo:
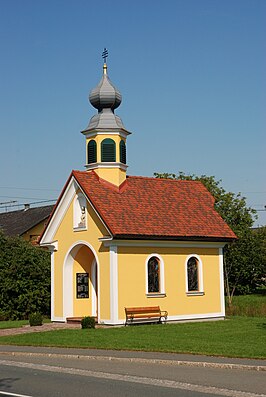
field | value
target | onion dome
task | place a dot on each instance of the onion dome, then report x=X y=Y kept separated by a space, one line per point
x=105 y=95
x=105 y=98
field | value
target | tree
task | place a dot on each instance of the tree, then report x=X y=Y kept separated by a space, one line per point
x=24 y=278
x=244 y=259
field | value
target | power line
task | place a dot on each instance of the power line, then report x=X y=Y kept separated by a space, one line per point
x=8 y=202
x=7 y=205
x=24 y=198
x=29 y=188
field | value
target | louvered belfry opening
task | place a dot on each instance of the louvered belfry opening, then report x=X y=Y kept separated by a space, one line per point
x=92 y=152
x=123 y=153
x=108 y=152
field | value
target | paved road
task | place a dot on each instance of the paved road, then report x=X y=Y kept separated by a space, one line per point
x=52 y=372
x=36 y=383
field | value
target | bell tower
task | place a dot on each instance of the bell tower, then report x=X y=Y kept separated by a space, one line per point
x=106 y=135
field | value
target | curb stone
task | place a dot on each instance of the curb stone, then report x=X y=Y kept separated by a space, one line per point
x=142 y=360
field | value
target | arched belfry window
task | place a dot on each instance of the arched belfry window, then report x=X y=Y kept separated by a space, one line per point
x=123 y=154
x=92 y=151
x=108 y=152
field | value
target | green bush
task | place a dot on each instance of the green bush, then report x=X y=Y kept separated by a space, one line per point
x=35 y=319
x=24 y=279
x=3 y=316
x=88 y=322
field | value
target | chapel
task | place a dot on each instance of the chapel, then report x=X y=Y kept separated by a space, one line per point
x=120 y=241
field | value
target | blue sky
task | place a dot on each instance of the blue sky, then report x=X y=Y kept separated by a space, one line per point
x=192 y=74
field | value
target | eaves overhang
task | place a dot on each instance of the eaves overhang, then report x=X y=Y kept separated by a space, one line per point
x=220 y=239
x=103 y=131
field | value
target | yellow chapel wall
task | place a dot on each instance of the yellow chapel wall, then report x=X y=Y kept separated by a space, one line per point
x=116 y=176
x=132 y=280
x=132 y=273
x=82 y=264
x=67 y=237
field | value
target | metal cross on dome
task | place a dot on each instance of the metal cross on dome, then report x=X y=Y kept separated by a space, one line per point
x=105 y=54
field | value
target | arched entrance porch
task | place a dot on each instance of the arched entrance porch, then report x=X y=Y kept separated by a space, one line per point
x=80 y=281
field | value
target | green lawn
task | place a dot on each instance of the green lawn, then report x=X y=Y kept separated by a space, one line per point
x=234 y=337
x=17 y=323
x=13 y=324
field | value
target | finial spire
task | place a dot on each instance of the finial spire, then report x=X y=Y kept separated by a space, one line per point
x=105 y=55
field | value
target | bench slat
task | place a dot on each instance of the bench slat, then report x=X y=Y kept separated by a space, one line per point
x=140 y=309
x=146 y=315
x=135 y=314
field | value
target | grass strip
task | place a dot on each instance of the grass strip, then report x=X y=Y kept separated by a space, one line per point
x=13 y=324
x=234 y=337
x=17 y=323
x=247 y=305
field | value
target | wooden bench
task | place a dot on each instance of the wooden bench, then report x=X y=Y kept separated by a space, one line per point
x=138 y=315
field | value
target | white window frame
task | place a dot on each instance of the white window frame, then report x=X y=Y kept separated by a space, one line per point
x=79 y=202
x=161 y=293
x=200 y=276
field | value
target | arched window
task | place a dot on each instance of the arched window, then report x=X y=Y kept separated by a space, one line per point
x=153 y=275
x=92 y=151
x=154 y=266
x=193 y=274
x=123 y=153
x=108 y=150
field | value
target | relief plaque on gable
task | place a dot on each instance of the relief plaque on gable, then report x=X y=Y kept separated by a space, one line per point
x=82 y=222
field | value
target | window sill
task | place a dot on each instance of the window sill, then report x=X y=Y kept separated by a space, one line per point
x=156 y=295
x=79 y=228
x=195 y=293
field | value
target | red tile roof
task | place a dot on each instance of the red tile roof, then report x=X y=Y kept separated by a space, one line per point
x=155 y=208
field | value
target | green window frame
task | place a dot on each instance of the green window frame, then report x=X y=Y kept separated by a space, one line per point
x=123 y=153
x=108 y=151
x=92 y=151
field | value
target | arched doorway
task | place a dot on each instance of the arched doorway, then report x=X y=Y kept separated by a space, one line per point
x=80 y=281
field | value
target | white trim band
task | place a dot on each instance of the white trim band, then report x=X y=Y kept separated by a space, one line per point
x=160 y=243
x=113 y=284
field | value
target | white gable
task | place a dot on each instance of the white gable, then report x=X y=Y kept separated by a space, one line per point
x=69 y=194
x=59 y=212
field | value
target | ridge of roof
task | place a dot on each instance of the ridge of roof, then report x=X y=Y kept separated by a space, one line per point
x=26 y=210
x=169 y=180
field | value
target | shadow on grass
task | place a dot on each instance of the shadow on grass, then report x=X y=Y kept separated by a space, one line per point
x=261 y=326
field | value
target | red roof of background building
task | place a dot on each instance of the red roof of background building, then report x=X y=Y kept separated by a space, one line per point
x=155 y=208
